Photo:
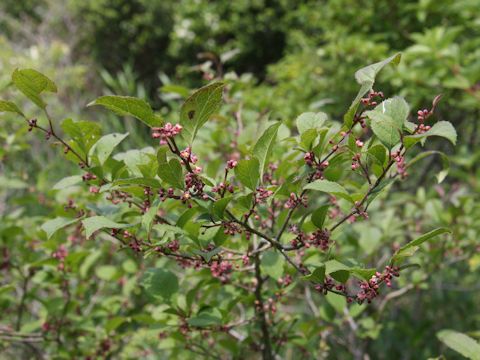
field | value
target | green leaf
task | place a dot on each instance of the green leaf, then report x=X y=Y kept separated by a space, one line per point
x=461 y=343
x=96 y=223
x=410 y=248
x=207 y=317
x=160 y=283
x=9 y=106
x=366 y=78
x=397 y=108
x=310 y=120
x=103 y=148
x=264 y=145
x=329 y=187
x=149 y=216
x=337 y=270
x=248 y=172
x=52 y=226
x=83 y=133
x=219 y=206
x=129 y=106
x=272 y=264
x=67 y=182
x=442 y=128
x=378 y=153
x=317 y=275
x=369 y=73
x=384 y=127
x=319 y=215
x=198 y=109
x=32 y=83
x=106 y=272
x=172 y=173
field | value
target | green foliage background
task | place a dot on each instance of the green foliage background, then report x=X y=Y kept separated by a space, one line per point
x=283 y=58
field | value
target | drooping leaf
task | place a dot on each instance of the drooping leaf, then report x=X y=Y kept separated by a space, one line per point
x=129 y=106
x=84 y=134
x=319 y=215
x=32 y=83
x=96 y=223
x=9 y=106
x=171 y=172
x=248 y=172
x=219 y=206
x=160 y=283
x=461 y=343
x=198 y=109
x=206 y=317
x=52 y=226
x=263 y=147
x=103 y=148
x=329 y=187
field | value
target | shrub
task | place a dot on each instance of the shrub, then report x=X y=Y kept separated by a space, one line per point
x=226 y=240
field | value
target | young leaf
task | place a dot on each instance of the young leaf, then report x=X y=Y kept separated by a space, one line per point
x=461 y=343
x=32 y=83
x=310 y=120
x=171 y=172
x=329 y=187
x=219 y=206
x=366 y=78
x=319 y=215
x=198 y=109
x=317 y=275
x=96 y=223
x=129 y=106
x=8 y=106
x=248 y=172
x=52 y=226
x=67 y=182
x=442 y=128
x=160 y=283
x=103 y=148
x=384 y=127
x=263 y=147
x=410 y=248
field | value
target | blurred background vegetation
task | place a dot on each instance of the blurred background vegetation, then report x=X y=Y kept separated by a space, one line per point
x=283 y=57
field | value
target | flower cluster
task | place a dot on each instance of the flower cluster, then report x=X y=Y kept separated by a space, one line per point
x=262 y=194
x=294 y=200
x=401 y=166
x=166 y=132
x=320 y=239
x=369 y=289
x=370 y=99
x=61 y=254
x=221 y=270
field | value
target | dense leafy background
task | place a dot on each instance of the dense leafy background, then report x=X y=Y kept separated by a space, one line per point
x=280 y=59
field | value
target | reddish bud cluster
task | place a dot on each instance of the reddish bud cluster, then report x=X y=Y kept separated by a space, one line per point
x=356 y=161
x=369 y=100
x=262 y=194
x=166 y=132
x=231 y=164
x=231 y=228
x=294 y=200
x=369 y=289
x=61 y=254
x=221 y=270
x=88 y=176
x=320 y=239
x=401 y=166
